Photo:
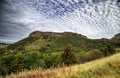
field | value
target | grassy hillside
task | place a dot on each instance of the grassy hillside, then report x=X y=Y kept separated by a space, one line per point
x=47 y=49
x=50 y=42
x=104 y=68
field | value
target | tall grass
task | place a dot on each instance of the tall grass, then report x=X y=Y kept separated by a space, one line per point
x=108 y=67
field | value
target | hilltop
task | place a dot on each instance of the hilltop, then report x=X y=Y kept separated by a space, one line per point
x=104 y=68
x=51 y=42
x=116 y=38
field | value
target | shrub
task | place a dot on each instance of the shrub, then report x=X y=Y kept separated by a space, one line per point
x=108 y=50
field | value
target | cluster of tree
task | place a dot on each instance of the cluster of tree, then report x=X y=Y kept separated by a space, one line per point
x=19 y=61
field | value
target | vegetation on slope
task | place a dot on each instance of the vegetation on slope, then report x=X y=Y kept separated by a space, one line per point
x=51 y=42
x=104 y=68
x=19 y=61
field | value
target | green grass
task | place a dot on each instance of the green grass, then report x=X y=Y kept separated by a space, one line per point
x=108 y=67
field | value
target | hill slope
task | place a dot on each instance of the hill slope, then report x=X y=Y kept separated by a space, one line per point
x=104 y=68
x=50 y=42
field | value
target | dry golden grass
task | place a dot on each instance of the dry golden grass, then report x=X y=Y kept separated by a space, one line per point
x=117 y=50
x=104 y=68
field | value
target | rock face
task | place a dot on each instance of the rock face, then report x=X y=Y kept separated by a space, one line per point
x=55 y=33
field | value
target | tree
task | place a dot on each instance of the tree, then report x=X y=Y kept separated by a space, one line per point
x=69 y=57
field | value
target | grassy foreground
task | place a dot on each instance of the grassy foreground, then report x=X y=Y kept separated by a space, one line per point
x=104 y=68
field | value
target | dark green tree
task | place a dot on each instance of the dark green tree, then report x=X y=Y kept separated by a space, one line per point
x=69 y=57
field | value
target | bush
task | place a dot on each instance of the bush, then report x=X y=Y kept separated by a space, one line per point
x=108 y=50
x=91 y=55
x=3 y=50
x=33 y=60
x=94 y=54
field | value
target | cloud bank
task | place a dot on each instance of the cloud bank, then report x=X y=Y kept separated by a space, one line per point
x=93 y=18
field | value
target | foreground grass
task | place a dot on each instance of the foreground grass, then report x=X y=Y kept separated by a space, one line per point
x=104 y=68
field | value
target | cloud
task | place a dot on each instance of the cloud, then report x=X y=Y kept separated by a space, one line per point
x=93 y=18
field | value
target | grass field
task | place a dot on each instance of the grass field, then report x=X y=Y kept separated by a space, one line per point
x=104 y=68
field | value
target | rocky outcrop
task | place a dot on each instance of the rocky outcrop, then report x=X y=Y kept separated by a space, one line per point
x=56 y=33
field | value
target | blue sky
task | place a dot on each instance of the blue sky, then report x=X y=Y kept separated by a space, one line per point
x=93 y=18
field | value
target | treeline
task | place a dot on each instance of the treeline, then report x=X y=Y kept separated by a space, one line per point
x=13 y=62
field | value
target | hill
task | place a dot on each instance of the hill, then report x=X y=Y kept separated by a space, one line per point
x=46 y=50
x=51 y=42
x=104 y=68
x=2 y=44
x=116 y=38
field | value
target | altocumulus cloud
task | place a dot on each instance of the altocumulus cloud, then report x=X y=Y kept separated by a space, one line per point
x=93 y=18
